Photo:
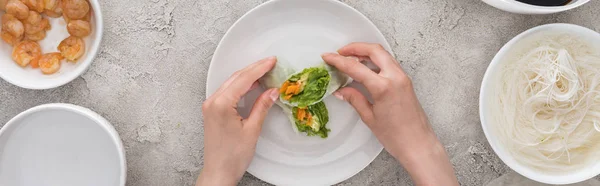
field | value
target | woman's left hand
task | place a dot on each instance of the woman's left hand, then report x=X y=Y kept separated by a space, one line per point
x=229 y=139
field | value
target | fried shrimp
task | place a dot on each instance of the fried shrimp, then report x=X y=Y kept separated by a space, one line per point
x=17 y=8
x=36 y=36
x=35 y=23
x=12 y=25
x=55 y=11
x=50 y=63
x=52 y=8
x=36 y=5
x=12 y=29
x=32 y=23
x=33 y=18
x=75 y=9
x=72 y=48
x=25 y=52
x=9 y=38
x=79 y=28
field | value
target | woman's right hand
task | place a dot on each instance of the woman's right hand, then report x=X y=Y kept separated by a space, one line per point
x=396 y=116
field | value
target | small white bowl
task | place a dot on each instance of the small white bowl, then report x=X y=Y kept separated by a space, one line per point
x=61 y=144
x=487 y=89
x=30 y=78
x=523 y=8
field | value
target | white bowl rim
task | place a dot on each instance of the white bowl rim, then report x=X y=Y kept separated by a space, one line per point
x=103 y=123
x=95 y=47
x=556 y=8
x=507 y=158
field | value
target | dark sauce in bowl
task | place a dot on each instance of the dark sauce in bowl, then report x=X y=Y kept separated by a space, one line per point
x=546 y=2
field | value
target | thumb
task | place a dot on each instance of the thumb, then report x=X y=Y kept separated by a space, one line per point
x=259 y=111
x=358 y=101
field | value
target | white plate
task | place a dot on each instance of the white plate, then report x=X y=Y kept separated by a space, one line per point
x=300 y=31
x=33 y=78
x=60 y=145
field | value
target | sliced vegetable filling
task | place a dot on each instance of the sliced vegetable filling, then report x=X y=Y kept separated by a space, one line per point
x=306 y=87
x=312 y=120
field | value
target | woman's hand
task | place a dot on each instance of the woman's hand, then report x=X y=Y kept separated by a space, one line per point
x=229 y=139
x=395 y=116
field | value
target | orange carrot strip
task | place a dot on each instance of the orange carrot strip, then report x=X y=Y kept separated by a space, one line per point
x=310 y=119
x=284 y=87
x=301 y=114
x=298 y=89
x=291 y=89
x=288 y=97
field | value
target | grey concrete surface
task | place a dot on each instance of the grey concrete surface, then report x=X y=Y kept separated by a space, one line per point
x=149 y=79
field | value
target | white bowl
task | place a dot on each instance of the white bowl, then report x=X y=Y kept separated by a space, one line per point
x=61 y=144
x=523 y=8
x=487 y=89
x=33 y=78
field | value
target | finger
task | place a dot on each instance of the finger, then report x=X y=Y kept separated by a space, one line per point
x=259 y=111
x=224 y=85
x=235 y=75
x=246 y=77
x=353 y=68
x=254 y=86
x=380 y=57
x=358 y=101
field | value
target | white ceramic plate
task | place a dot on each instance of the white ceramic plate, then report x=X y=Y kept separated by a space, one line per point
x=300 y=31
x=61 y=144
x=33 y=78
x=490 y=79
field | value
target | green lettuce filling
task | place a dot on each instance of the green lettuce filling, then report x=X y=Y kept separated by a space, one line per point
x=314 y=82
x=320 y=118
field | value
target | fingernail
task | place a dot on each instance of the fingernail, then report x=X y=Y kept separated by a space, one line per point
x=338 y=95
x=327 y=54
x=354 y=58
x=270 y=58
x=274 y=94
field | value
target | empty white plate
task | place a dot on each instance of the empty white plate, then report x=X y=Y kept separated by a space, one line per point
x=299 y=31
x=60 y=145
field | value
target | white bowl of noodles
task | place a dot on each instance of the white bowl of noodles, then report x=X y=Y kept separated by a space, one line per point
x=539 y=104
x=29 y=78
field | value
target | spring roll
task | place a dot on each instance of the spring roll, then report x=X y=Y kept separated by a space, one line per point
x=312 y=120
x=306 y=111
x=311 y=85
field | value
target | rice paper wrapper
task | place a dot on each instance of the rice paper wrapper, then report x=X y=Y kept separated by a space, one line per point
x=274 y=79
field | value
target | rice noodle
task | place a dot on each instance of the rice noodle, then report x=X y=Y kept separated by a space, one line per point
x=546 y=104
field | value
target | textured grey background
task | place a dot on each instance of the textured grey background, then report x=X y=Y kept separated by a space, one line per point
x=149 y=79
